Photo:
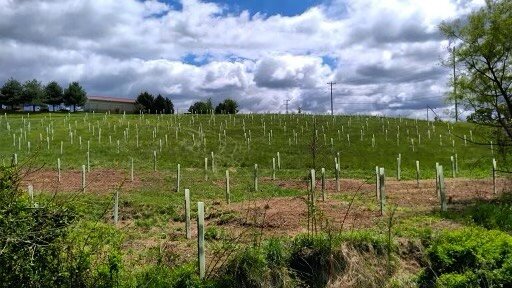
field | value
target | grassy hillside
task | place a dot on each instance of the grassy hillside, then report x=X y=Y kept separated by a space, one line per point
x=260 y=239
x=244 y=140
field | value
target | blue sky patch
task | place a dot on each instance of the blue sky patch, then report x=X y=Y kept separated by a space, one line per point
x=268 y=7
x=175 y=4
x=331 y=61
x=196 y=60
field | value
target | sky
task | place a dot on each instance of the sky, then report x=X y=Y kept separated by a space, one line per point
x=384 y=55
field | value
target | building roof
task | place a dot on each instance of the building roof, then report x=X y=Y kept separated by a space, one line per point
x=110 y=99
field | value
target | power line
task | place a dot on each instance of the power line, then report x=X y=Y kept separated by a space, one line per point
x=432 y=111
x=332 y=107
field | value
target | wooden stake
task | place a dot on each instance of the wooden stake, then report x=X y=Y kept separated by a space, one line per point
x=337 y=173
x=228 y=195
x=187 y=214
x=453 y=166
x=417 y=173
x=31 y=194
x=442 y=192
x=382 y=191
x=206 y=169
x=58 y=169
x=255 y=177
x=377 y=183
x=437 y=180
x=323 y=184
x=213 y=162
x=398 y=167
x=83 y=178
x=494 y=175
x=178 y=177
x=273 y=168
x=200 y=239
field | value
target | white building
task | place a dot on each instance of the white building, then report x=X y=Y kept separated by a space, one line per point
x=111 y=104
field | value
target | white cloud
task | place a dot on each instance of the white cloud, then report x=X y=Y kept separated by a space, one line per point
x=289 y=71
x=387 y=52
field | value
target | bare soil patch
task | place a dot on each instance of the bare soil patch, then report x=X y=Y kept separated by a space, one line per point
x=407 y=193
x=98 y=180
x=288 y=215
x=459 y=191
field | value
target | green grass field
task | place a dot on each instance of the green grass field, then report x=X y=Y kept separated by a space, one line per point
x=151 y=211
x=244 y=140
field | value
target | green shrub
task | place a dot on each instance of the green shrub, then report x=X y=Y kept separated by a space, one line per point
x=226 y=217
x=366 y=240
x=313 y=259
x=456 y=280
x=496 y=215
x=247 y=269
x=29 y=237
x=213 y=233
x=277 y=257
x=471 y=256
x=92 y=257
x=276 y=253
x=44 y=246
x=156 y=276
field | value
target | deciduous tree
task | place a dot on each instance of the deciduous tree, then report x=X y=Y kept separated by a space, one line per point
x=201 y=107
x=228 y=106
x=483 y=53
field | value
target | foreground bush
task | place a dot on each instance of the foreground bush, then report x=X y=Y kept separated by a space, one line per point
x=494 y=215
x=156 y=276
x=312 y=259
x=29 y=237
x=471 y=257
x=43 y=246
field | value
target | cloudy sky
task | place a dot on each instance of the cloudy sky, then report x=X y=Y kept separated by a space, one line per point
x=384 y=55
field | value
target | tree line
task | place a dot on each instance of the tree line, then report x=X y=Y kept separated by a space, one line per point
x=228 y=106
x=150 y=104
x=147 y=103
x=14 y=93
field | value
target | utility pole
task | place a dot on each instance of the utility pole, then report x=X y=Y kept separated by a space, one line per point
x=455 y=87
x=286 y=103
x=332 y=108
